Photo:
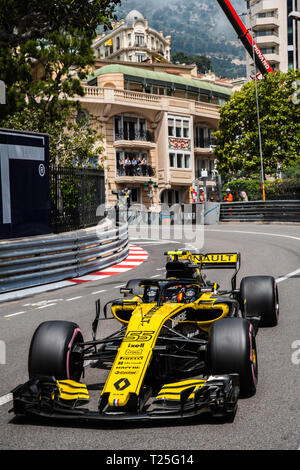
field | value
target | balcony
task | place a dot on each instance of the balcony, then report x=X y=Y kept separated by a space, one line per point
x=138 y=172
x=142 y=136
x=145 y=100
x=204 y=143
x=266 y=21
x=267 y=38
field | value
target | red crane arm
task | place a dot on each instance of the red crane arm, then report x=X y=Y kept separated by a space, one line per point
x=245 y=37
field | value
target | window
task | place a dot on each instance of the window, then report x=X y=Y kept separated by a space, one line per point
x=199 y=137
x=170 y=197
x=180 y=160
x=268 y=50
x=186 y=129
x=171 y=127
x=135 y=195
x=139 y=39
x=203 y=137
x=131 y=128
x=140 y=57
x=187 y=161
x=142 y=127
x=172 y=160
x=267 y=32
x=178 y=127
x=268 y=14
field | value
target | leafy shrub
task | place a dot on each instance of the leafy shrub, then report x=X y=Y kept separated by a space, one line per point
x=278 y=189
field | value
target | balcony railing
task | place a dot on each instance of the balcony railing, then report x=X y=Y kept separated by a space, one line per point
x=205 y=142
x=140 y=170
x=145 y=136
x=142 y=100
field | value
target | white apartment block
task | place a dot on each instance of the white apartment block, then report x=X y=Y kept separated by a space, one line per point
x=277 y=35
x=132 y=40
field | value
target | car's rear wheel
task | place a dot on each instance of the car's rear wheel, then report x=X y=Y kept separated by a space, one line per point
x=231 y=349
x=259 y=297
x=52 y=351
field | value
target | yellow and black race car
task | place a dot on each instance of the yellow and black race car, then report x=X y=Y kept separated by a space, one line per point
x=185 y=347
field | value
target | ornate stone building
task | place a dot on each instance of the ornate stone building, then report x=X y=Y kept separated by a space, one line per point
x=132 y=40
x=158 y=127
x=158 y=118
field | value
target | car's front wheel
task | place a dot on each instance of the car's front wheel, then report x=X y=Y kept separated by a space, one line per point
x=53 y=351
x=231 y=349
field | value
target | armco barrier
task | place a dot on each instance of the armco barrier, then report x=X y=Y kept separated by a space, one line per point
x=261 y=211
x=48 y=258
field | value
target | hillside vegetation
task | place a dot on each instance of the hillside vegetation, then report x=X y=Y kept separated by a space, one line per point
x=197 y=27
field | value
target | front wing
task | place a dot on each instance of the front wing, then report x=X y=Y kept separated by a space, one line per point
x=67 y=400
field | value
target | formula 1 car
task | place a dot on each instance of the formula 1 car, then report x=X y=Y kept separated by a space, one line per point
x=184 y=348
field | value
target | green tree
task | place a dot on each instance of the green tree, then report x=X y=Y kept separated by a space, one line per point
x=73 y=141
x=45 y=52
x=237 y=142
x=203 y=63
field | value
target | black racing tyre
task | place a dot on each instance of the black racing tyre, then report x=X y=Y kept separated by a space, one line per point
x=259 y=296
x=51 y=351
x=134 y=285
x=231 y=349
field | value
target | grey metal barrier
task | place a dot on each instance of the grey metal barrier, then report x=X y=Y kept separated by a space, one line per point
x=261 y=211
x=49 y=258
x=207 y=214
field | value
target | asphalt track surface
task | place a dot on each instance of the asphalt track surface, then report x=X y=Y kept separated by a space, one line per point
x=267 y=421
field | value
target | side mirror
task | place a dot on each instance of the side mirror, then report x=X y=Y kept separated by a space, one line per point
x=126 y=291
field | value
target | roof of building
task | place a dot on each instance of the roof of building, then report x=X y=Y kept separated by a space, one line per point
x=160 y=77
x=133 y=16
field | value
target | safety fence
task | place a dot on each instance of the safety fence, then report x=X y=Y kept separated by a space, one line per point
x=49 y=258
x=75 y=194
x=261 y=211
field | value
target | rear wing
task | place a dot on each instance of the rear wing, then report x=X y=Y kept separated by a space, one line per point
x=218 y=260
x=231 y=260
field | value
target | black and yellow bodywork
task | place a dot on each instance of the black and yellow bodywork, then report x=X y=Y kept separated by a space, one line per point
x=157 y=361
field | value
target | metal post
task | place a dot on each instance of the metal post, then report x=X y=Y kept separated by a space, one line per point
x=257 y=108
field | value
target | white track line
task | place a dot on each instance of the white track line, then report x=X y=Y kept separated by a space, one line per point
x=45 y=306
x=279 y=279
x=6 y=398
x=74 y=298
x=98 y=292
x=13 y=314
x=288 y=276
x=254 y=233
